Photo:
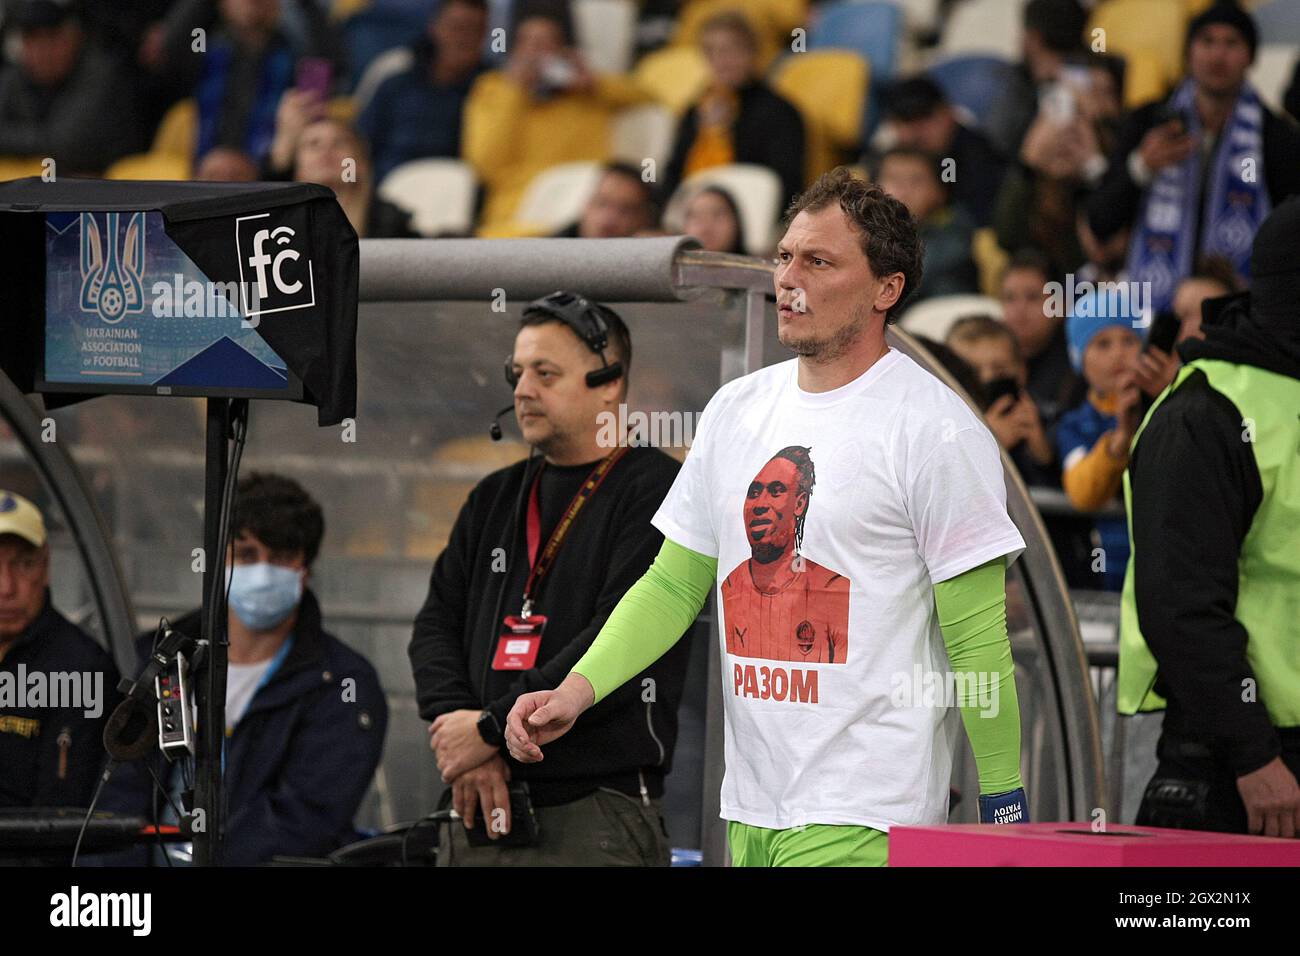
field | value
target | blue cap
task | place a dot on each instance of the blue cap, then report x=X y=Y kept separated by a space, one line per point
x=1094 y=311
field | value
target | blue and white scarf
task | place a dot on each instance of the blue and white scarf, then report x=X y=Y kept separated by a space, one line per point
x=1162 y=249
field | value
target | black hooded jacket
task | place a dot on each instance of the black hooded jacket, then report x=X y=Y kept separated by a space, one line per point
x=1196 y=490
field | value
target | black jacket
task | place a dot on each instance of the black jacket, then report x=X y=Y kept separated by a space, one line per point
x=84 y=125
x=768 y=131
x=1118 y=199
x=301 y=758
x=1196 y=490
x=610 y=545
x=982 y=168
x=35 y=771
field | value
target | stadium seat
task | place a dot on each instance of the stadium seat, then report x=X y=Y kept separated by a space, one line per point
x=642 y=132
x=990 y=259
x=374 y=31
x=606 y=32
x=772 y=21
x=757 y=191
x=674 y=76
x=871 y=29
x=438 y=193
x=1272 y=70
x=555 y=197
x=934 y=317
x=389 y=63
x=829 y=88
x=178 y=133
x=972 y=82
x=1147 y=26
x=919 y=16
x=1278 y=21
x=984 y=26
x=20 y=167
x=1145 y=78
x=160 y=166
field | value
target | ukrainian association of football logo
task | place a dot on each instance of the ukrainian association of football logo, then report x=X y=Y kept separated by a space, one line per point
x=111 y=286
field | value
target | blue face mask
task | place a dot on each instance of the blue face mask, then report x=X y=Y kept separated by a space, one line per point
x=262 y=595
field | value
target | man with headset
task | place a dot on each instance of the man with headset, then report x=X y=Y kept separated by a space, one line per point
x=539 y=556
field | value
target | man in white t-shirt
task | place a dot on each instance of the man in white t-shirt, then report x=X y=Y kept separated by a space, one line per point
x=905 y=561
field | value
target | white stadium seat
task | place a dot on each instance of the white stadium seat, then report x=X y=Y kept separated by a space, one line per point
x=934 y=317
x=606 y=31
x=643 y=132
x=757 y=191
x=438 y=193
x=555 y=196
x=984 y=26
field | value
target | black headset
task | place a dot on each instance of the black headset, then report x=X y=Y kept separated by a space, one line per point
x=589 y=320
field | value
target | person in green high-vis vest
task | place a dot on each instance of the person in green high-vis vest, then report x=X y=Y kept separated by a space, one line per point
x=1211 y=600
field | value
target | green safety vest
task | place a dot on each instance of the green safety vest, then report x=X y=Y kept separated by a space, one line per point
x=1268 y=595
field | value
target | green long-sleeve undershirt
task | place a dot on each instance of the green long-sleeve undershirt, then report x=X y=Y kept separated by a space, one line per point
x=662 y=605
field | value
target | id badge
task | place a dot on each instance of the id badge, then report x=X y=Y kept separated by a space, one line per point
x=519 y=643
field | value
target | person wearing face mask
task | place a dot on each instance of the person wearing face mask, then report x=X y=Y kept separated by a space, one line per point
x=305 y=714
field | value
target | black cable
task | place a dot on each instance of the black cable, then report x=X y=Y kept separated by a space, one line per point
x=154 y=803
x=216 y=611
x=240 y=430
x=153 y=816
x=103 y=779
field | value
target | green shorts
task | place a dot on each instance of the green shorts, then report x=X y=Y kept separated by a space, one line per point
x=816 y=844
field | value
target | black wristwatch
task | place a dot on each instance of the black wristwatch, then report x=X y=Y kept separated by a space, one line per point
x=490 y=730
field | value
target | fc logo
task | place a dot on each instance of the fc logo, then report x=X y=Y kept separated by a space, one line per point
x=274 y=274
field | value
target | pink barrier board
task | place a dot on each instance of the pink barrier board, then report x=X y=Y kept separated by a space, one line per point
x=1076 y=844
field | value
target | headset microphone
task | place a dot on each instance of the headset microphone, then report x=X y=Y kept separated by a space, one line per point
x=495 y=430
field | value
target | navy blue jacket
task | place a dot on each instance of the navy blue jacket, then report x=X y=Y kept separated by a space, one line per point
x=301 y=758
x=52 y=757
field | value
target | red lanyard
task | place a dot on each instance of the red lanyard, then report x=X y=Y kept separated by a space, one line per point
x=540 y=564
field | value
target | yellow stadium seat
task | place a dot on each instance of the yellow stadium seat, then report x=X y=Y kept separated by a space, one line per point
x=20 y=167
x=773 y=21
x=178 y=133
x=342 y=108
x=1144 y=79
x=340 y=10
x=829 y=88
x=150 y=166
x=990 y=259
x=674 y=75
x=1144 y=26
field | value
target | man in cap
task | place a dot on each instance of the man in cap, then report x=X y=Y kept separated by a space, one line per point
x=57 y=686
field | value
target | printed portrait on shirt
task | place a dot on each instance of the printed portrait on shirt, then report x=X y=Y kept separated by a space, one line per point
x=777 y=604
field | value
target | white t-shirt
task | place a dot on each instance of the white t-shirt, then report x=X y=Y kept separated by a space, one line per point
x=242 y=681
x=907 y=491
